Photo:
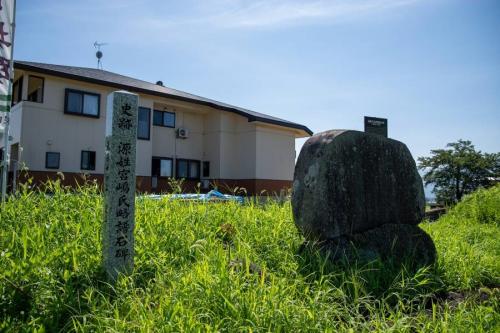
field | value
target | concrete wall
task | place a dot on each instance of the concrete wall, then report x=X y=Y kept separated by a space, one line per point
x=235 y=148
x=211 y=142
x=275 y=156
x=238 y=147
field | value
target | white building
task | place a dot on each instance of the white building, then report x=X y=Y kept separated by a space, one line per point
x=58 y=118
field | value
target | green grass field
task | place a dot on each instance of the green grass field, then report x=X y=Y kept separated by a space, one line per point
x=225 y=267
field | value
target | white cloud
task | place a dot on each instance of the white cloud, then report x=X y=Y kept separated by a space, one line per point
x=272 y=13
x=147 y=22
x=161 y=23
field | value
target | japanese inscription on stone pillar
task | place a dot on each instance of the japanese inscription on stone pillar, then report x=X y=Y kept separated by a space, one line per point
x=119 y=183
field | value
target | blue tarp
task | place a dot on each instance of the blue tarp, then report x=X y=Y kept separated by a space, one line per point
x=206 y=197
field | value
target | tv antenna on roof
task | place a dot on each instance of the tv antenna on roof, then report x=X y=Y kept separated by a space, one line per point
x=99 y=54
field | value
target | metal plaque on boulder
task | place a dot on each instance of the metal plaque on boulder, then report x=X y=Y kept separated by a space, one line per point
x=376 y=126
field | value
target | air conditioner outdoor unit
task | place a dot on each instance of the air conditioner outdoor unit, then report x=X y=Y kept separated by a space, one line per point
x=182 y=133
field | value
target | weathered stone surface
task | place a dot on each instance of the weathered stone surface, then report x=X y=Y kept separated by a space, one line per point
x=348 y=182
x=396 y=242
x=119 y=183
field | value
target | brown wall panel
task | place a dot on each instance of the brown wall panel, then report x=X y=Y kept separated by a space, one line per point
x=143 y=184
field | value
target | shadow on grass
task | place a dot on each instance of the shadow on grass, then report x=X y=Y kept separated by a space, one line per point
x=389 y=264
x=65 y=299
x=71 y=301
x=75 y=304
x=57 y=307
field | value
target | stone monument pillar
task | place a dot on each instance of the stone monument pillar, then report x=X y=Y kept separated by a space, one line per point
x=119 y=183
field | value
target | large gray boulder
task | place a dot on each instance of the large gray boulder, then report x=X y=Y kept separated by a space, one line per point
x=394 y=242
x=347 y=182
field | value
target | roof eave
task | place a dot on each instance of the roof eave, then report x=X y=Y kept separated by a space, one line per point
x=301 y=130
x=250 y=118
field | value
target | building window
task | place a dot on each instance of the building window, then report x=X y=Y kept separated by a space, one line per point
x=206 y=169
x=182 y=169
x=143 y=124
x=35 y=89
x=52 y=160
x=17 y=90
x=164 y=118
x=189 y=169
x=161 y=167
x=82 y=103
x=157 y=118
x=87 y=160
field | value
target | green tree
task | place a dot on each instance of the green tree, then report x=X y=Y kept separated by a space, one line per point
x=459 y=169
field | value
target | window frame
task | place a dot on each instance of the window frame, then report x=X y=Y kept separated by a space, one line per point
x=67 y=91
x=189 y=161
x=19 y=87
x=149 y=123
x=162 y=158
x=163 y=118
x=47 y=159
x=43 y=88
x=81 y=160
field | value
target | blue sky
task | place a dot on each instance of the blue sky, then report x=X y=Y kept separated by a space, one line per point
x=432 y=67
